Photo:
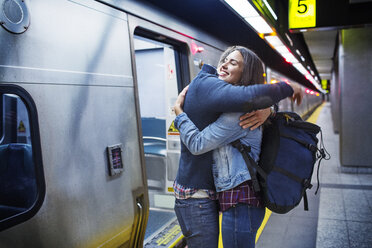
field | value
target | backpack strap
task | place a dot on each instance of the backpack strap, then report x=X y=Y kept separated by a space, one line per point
x=305 y=182
x=249 y=161
x=309 y=146
x=322 y=154
x=306 y=203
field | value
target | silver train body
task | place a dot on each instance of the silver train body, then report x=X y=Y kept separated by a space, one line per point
x=87 y=146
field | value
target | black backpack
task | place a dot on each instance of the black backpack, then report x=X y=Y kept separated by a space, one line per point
x=288 y=154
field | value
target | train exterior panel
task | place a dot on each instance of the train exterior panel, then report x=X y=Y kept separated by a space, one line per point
x=75 y=91
x=75 y=63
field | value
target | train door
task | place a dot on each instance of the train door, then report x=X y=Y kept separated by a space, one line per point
x=157 y=70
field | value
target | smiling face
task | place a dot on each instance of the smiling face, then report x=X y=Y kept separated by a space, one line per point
x=231 y=68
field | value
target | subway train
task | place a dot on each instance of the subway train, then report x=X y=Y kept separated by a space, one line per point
x=88 y=149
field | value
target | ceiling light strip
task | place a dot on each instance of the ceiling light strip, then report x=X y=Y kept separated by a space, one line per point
x=250 y=15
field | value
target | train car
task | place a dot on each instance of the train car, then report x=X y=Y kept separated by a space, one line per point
x=88 y=150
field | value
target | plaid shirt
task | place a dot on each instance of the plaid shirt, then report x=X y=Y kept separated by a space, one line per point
x=182 y=192
x=242 y=193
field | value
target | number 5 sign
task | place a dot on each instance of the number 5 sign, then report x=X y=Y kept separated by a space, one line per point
x=301 y=14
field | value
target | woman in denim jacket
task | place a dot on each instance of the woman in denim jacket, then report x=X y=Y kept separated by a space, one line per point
x=241 y=206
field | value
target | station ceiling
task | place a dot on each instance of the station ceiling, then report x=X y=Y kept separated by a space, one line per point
x=316 y=45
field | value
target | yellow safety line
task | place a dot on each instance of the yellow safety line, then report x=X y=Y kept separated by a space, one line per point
x=313 y=118
x=220 y=245
x=263 y=224
x=176 y=241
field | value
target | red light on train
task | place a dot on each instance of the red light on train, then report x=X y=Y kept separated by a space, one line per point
x=307 y=91
x=196 y=49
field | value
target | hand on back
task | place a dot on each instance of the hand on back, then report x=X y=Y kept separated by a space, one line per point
x=178 y=106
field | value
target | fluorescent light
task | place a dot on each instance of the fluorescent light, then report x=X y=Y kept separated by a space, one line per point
x=274 y=40
x=282 y=49
x=249 y=13
x=243 y=7
x=289 y=57
x=259 y=24
x=300 y=68
x=270 y=9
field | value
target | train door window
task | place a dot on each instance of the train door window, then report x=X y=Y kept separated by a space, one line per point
x=21 y=187
x=158 y=78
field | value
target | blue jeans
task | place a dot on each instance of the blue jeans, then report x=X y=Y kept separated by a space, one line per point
x=198 y=218
x=240 y=225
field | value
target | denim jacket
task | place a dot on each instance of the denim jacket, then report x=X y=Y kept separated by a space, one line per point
x=229 y=168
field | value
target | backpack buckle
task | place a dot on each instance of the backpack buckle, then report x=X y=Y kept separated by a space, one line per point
x=312 y=148
x=288 y=118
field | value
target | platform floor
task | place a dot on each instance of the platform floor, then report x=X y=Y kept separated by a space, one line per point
x=339 y=216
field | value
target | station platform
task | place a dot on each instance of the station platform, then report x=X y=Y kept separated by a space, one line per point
x=340 y=215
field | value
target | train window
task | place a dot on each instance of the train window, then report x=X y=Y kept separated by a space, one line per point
x=22 y=185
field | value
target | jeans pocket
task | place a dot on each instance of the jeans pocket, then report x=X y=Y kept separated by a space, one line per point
x=181 y=213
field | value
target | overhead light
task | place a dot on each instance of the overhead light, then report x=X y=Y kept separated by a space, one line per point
x=270 y=9
x=274 y=40
x=278 y=45
x=282 y=49
x=250 y=14
x=259 y=24
x=300 y=68
x=302 y=58
x=289 y=58
x=243 y=8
